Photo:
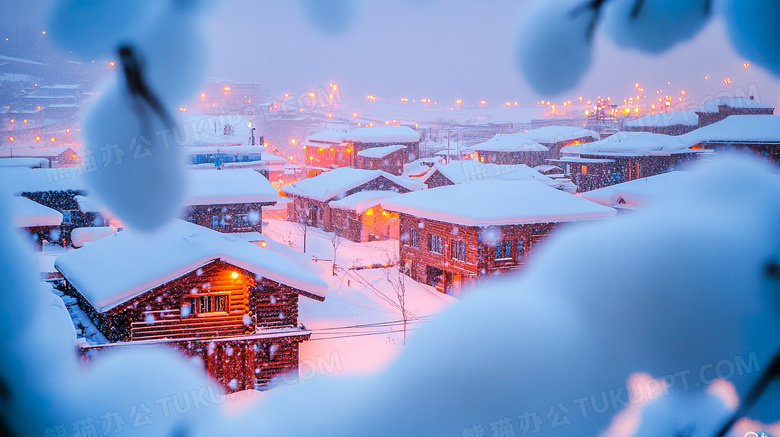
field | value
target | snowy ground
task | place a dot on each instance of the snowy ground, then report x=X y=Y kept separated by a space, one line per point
x=318 y=244
x=358 y=328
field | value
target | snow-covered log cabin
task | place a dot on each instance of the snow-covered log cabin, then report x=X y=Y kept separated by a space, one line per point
x=470 y=170
x=229 y=302
x=381 y=136
x=228 y=200
x=55 y=188
x=719 y=109
x=345 y=201
x=452 y=235
x=624 y=157
x=387 y=158
x=557 y=137
x=34 y=219
x=508 y=149
x=758 y=134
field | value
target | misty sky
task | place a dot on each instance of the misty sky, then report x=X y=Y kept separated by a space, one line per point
x=440 y=49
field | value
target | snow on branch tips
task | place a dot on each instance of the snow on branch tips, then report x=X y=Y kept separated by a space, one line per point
x=555 y=46
x=129 y=132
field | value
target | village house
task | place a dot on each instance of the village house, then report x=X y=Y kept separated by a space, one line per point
x=386 y=158
x=328 y=149
x=453 y=235
x=61 y=156
x=36 y=220
x=230 y=303
x=557 y=137
x=326 y=201
x=470 y=170
x=719 y=109
x=507 y=149
x=667 y=123
x=228 y=200
x=624 y=157
x=55 y=188
x=759 y=134
x=380 y=136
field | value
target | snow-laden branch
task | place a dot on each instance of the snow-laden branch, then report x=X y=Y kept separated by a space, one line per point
x=552 y=41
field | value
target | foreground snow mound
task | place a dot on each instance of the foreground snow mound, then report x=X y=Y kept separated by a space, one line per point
x=678 y=291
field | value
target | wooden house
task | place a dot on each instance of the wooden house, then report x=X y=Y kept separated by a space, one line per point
x=328 y=149
x=232 y=304
x=453 y=235
x=624 y=157
x=36 y=220
x=60 y=156
x=55 y=188
x=667 y=123
x=470 y=170
x=387 y=158
x=719 y=109
x=313 y=199
x=381 y=136
x=228 y=200
x=758 y=134
x=508 y=149
x=554 y=138
x=359 y=217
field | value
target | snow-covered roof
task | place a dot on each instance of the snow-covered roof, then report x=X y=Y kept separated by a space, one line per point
x=23 y=162
x=80 y=236
x=29 y=214
x=89 y=204
x=221 y=187
x=361 y=201
x=638 y=192
x=416 y=168
x=557 y=134
x=631 y=144
x=335 y=183
x=380 y=152
x=383 y=134
x=328 y=136
x=496 y=202
x=18 y=180
x=738 y=128
x=733 y=102
x=508 y=143
x=120 y=267
x=471 y=170
x=664 y=119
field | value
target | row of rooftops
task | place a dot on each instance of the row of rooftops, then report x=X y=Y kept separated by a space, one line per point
x=482 y=195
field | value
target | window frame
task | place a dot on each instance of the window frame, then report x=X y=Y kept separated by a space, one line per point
x=458 y=249
x=414 y=237
x=440 y=240
x=212 y=304
x=501 y=249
